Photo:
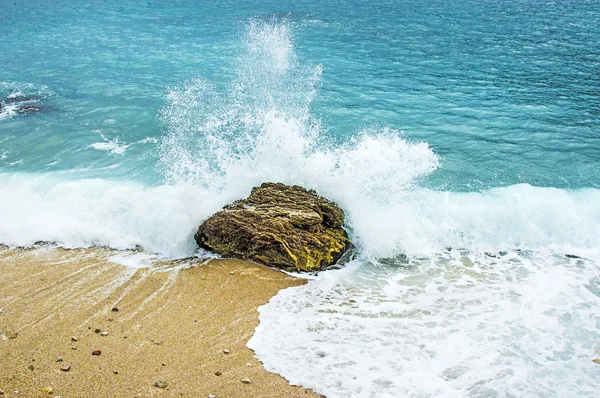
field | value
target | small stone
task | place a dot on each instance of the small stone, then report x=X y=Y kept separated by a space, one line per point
x=97 y=331
x=212 y=396
x=1 y=392
x=248 y=364
x=9 y=335
x=164 y=364
x=207 y=293
x=96 y=352
x=74 y=339
x=47 y=390
x=115 y=309
x=231 y=273
x=225 y=351
x=157 y=342
x=110 y=319
x=218 y=373
x=246 y=380
x=66 y=367
x=74 y=348
x=161 y=384
x=30 y=367
x=59 y=359
x=104 y=334
x=116 y=372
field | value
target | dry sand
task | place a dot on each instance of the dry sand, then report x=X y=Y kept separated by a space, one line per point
x=174 y=323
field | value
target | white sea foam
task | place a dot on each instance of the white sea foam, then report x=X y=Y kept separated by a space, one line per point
x=112 y=146
x=162 y=219
x=134 y=260
x=456 y=325
x=8 y=111
x=80 y=213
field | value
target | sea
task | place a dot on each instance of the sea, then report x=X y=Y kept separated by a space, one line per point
x=461 y=138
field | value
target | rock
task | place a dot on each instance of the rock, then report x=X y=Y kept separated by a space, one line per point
x=9 y=335
x=116 y=372
x=212 y=396
x=103 y=334
x=225 y=351
x=59 y=359
x=96 y=352
x=26 y=109
x=217 y=373
x=66 y=367
x=98 y=331
x=47 y=390
x=74 y=339
x=246 y=380
x=282 y=226
x=1 y=392
x=30 y=367
x=161 y=384
x=115 y=309
x=13 y=99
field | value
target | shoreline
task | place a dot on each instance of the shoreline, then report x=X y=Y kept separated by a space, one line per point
x=176 y=329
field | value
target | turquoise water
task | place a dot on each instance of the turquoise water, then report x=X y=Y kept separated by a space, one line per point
x=505 y=92
x=461 y=139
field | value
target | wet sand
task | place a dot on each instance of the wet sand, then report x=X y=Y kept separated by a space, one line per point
x=182 y=323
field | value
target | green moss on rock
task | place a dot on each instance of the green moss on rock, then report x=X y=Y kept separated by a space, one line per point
x=278 y=225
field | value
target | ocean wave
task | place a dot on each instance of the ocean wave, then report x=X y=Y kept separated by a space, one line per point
x=162 y=219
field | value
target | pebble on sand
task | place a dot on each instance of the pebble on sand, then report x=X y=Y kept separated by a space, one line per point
x=96 y=352
x=66 y=367
x=104 y=334
x=47 y=390
x=115 y=309
x=74 y=339
x=217 y=373
x=246 y=380
x=161 y=384
x=225 y=351
x=212 y=396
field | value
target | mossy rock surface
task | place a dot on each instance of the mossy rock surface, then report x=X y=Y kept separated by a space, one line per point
x=278 y=225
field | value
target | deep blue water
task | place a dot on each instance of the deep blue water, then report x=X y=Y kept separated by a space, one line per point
x=460 y=137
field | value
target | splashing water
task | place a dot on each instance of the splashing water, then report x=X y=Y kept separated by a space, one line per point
x=452 y=293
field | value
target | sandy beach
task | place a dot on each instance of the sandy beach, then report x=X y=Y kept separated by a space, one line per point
x=175 y=329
